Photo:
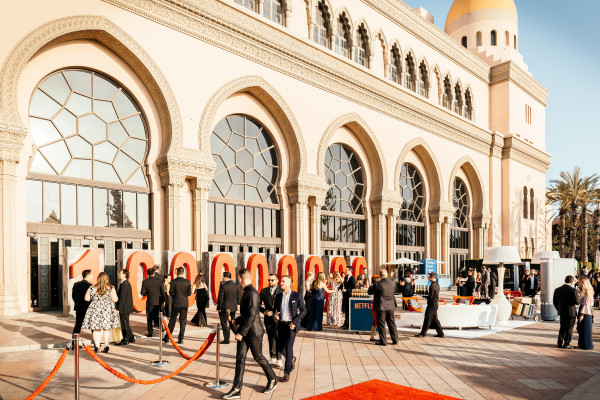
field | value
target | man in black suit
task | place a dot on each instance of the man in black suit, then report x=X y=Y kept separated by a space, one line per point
x=347 y=287
x=249 y=334
x=470 y=283
x=565 y=300
x=181 y=289
x=78 y=294
x=531 y=284
x=267 y=302
x=229 y=294
x=125 y=307
x=384 y=304
x=154 y=291
x=289 y=311
x=433 y=299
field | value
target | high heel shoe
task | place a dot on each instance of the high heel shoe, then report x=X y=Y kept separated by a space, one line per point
x=105 y=350
x=95 y=349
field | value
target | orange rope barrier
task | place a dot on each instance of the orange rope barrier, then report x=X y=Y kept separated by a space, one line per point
x=59 y=364
x=173 y=341
x=120 y=375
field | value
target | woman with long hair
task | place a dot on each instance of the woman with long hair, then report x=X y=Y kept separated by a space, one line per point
x=334 y=304
x=584 y=319
x=319 y=287
x=101 y=315
x=199 y=287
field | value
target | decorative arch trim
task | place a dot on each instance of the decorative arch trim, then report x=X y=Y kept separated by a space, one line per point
x=466 y=163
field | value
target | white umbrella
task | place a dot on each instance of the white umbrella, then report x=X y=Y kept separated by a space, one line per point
x=403 y=260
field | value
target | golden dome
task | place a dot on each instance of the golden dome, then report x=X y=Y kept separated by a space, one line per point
x=462 y=7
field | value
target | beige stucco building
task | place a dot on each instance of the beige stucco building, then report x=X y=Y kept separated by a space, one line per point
x=351 y=127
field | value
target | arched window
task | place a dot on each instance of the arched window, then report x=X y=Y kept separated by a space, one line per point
x=494 y=38
x=531 y=205
x=322 y=28
x=447 y=96
x=87 y=131
x=525 y=203
x=463 y=41
x=410 y=73
x=468 y=109
x=395 y=67
x=507 y=38
x=460 y=223
x=479 y=39
x=342 y=37
x=410 y=225
x=343 y=214
x=272 y=9
x=361 y=49
x=457 y=104
x=251 y=4
x=243 y=199
x=423 y=87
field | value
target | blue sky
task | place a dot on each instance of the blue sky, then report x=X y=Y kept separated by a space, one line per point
x=560 y=41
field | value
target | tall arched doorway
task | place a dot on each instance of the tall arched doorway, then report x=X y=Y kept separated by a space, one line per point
x=459 y=228
x=410 y=224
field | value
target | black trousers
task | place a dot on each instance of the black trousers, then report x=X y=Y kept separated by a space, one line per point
x=386 y=317
x=125 y=327
x=225 y=324
x=566 y=330
x=430 y=320
x=182 y=312
x=346 y=300
x=307 y=299
x=254 y=343
x=79 y=316
x=285 y=345
x=151 y=316
x=271 y=328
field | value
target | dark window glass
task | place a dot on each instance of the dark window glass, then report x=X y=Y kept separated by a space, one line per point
x=267 y=223
x=51 y=203
x=211 y=218
x=34 y=201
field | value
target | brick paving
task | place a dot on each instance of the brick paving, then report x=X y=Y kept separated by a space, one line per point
x=521 y=363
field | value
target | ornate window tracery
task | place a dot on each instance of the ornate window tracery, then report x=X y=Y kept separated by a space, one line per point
x=322 y=27
x=395 y=67
x=410 y=225
x=459 y=232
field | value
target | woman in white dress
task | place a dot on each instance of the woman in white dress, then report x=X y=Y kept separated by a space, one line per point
x=101 y=315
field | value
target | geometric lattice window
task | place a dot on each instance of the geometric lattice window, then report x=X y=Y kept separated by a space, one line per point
x=411 y=188
x=460 y=200
x=344 y=175
x=86 y=126
x=246 y=158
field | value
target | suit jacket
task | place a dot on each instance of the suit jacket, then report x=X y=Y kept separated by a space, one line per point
x=565 y=299
x=125 y=302
x=433 y=298
x=526 y=286
x=384 y=292
x=248 y=323
x=349 y=284
x=154 y=291
x=180 y=290
x=485 y=278
x=470 y=285
x=267 y=303
x=79 y=290
x=297 y=308
x=229 y=294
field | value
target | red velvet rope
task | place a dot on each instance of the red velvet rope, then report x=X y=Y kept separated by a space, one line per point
x=120 y=375
x=173 y=341
x=59 y=363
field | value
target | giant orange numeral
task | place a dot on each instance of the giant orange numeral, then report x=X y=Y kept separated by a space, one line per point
x=187 y=261
x=313 y=264
x=221 y=260
x=258 y=262
x=338 y=264
x=135 y=260
x=288 y=265
x=359 y=266
x=89 y=260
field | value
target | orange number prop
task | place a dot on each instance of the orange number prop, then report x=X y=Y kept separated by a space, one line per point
x=145 y=260
x=359 y=266
x=287 y=266
x=187 y=261
x=89 y=260
x=258 y=262
x=314 y=264
x=220 y=262
x=338 y=264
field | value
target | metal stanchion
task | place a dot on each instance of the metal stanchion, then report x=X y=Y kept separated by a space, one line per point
x=75 y=344
x=218 y=383
x=160 y=361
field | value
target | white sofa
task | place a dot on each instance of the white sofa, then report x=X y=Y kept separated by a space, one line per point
x=457 y=316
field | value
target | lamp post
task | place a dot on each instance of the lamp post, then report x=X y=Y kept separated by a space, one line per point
x=501 y=255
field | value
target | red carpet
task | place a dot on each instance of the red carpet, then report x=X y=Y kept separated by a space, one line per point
x=380 y=390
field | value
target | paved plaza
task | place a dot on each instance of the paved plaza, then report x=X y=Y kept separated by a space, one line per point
x=521 y=363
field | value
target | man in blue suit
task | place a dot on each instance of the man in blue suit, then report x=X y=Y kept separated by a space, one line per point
x=289 y=310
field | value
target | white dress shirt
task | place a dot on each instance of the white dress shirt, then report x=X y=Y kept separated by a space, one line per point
x=286 y=313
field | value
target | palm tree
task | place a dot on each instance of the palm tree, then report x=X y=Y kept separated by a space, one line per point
x=559 y=194
x=596 y=227
x=589 y=187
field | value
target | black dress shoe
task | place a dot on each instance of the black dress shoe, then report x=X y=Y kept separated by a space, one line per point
x=394 y=342
x=180 y=341
x=132 y=340
x=560 y=346
x=166 y=339
x=438 y=335
x=122 y=343
x=381 y=344
x=420 y=335
x=271 y=385
x=149 y=335
x=232 y=394
x=105 y=349
x=568 y=347
x=224 y=342
x=374 y=340
x=95 y=349
x=286 y=378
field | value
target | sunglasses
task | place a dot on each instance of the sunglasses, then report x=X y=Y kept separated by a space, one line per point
x=272 y=280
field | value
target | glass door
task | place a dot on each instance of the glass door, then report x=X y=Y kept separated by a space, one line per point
x=45 y=271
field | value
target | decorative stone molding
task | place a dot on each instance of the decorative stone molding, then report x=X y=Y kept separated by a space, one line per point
x=509 y=71
x=478 y=193
x=306 y=187
x=517 y=150
x=432 y=168
x=386 y=203
x=497 y=145
x=442 y=213
x=482 y=220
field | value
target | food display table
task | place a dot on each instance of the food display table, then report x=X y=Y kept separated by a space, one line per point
x=361 y=318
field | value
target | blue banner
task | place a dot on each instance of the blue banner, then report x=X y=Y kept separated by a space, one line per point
x=361 y=318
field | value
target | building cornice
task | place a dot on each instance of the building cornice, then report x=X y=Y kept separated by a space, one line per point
x=517 y=150
x=511 y=72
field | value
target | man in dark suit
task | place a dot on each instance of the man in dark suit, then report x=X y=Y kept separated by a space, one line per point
x=470 y=283
x=347 y=287
x=249 y=334
x=384 y=304
x=431 y=319
x=289 y=311
x=125 y=307
x=154 y=291
x=180 y=291
x=229 y=294
x=565 y=300
x=78 y=294
x=531 y=284
x=267 y=302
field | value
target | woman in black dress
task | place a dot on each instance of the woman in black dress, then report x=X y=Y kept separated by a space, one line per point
x=317 y=303
x=201 y=300
x=167 y=300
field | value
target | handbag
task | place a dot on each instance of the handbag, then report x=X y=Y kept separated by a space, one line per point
x=116 y=335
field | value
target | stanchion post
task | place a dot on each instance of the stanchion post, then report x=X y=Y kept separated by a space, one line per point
x=75 y=344
x=218 y=383
x=160 y=361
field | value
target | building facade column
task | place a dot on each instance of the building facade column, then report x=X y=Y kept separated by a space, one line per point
x=200 y=190
x=481 y=226
x=392 y=216
x=261 y=7
x=440 y=219
x=300 y=222
x=315 y=204
x=173 y=184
